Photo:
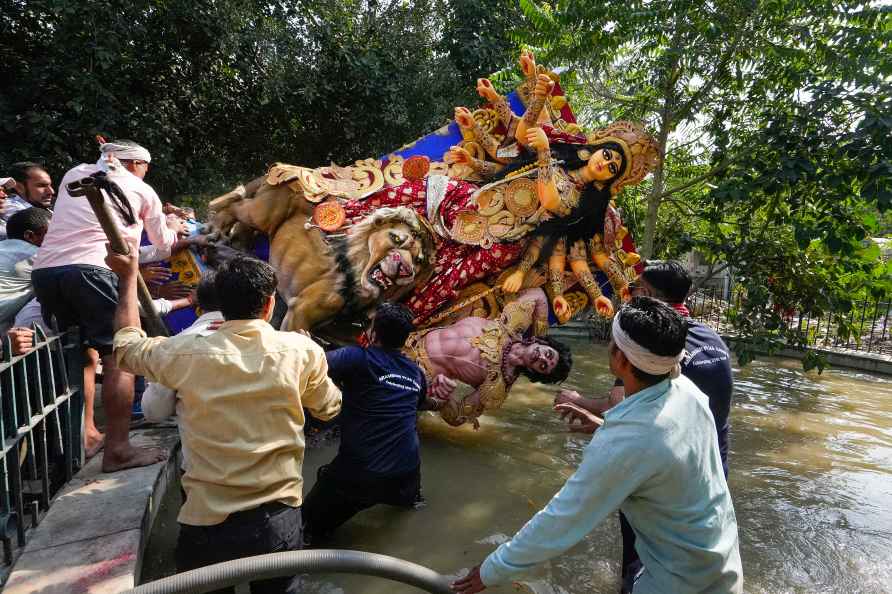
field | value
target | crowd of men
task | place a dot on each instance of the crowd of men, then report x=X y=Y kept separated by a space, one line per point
x=240 y=391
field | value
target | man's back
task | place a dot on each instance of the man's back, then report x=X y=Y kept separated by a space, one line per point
x=243 y=389
x=656 y=459
x=382 y=389
x=708 y=365
x=74 y=235
x=16 y=258
x=680 y=506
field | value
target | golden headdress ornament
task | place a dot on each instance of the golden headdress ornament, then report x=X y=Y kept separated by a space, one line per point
x=640 y=150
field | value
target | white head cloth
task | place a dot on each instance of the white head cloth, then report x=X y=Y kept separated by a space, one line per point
x=112 y=153
x=126 y=152
x=642 y=358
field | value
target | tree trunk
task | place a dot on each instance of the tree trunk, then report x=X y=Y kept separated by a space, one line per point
x=653 y=208
x=656 y=192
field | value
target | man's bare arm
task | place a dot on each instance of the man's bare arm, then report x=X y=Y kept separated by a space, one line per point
x=127 y=269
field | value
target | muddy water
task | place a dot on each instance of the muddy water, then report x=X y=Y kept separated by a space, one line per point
x=811 y=479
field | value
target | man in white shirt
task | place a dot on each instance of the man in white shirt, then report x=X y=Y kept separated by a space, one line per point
x=74 y=284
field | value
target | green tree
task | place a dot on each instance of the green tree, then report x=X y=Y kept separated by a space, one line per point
x=774 y=118
x=218 y=90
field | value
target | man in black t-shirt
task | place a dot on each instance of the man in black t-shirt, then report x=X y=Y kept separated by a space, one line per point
x=378 y=460
x=708 y=361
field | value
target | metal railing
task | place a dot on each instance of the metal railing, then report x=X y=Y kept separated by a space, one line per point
x=41 y=416
x=869 y=322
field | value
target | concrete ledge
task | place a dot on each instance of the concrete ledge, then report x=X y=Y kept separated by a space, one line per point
x=870 y=362
x=92 y=538
x=573 y=329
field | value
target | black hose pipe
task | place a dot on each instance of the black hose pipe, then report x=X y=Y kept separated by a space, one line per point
x=262 y=567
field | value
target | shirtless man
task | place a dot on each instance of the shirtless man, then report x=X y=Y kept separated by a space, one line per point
x=489 y=355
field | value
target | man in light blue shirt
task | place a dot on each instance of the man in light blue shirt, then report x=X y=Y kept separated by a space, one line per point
x=657 y=459
x=26 y=230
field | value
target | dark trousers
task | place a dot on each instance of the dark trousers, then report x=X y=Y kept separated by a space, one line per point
x=631 y=563
x=338 y=496
x=270 y=528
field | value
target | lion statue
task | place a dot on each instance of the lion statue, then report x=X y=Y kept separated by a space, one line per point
x=327 y=279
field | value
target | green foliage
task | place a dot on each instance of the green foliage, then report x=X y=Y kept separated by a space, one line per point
x=218 y=90
x=776 y=120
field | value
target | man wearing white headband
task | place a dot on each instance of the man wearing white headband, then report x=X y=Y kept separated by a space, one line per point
x=656 y=458
x=73 y=283
x=707 y=363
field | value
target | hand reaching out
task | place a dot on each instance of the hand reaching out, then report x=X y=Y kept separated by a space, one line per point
x=125 y=266
x=155 y=274
x=604 y=307
x=561 y=308
x=567 y=397
x=170 y=291
x=469 y=584
x=172 y=209
x=578 y=419
x=514 y=281
x=527 y=63
x=463 y=117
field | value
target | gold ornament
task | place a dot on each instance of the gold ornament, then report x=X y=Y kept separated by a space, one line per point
x=489 y=202
x=329 y=215
x=577 y=300
x=393 y=172
x=488 y=119
x=500 y=224
x=469 y=228
x=558 y=102
x=629 y=258
x=521 y=197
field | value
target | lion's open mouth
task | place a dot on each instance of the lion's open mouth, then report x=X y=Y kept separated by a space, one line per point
x=391 y=271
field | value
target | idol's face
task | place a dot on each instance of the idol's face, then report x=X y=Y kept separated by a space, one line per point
x=605 y=164
x=541 y=358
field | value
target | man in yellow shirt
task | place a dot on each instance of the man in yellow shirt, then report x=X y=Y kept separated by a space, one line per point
x=243 y=390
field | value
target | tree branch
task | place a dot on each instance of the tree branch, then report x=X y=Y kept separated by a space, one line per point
x=682 y=145
x=600 y=88
x=691 y=103
x=697 y=180
x=681 y=206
